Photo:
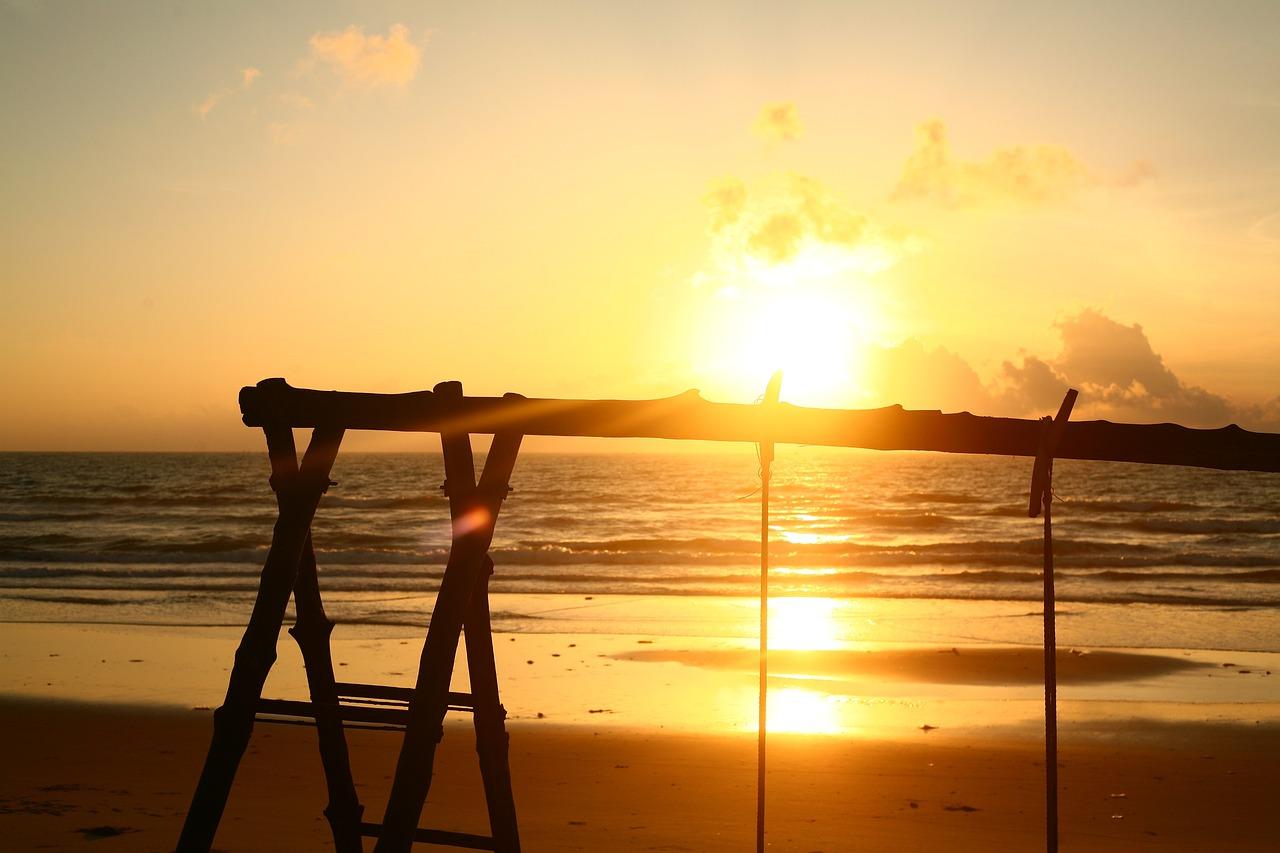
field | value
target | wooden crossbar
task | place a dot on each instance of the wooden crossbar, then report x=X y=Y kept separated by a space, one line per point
x=689 y=416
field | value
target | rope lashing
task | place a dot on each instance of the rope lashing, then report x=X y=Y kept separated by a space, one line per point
x=1041 y=499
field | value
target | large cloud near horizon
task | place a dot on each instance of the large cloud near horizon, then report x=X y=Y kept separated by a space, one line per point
x=1119 y=374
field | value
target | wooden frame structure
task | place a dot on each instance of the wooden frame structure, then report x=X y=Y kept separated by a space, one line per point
x=462 y=600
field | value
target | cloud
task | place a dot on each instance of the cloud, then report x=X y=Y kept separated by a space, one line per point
x=214 y=99
x=368 y=60
x=1264 y=415
x=727 y=199
x=1119 y=374
x=208 y=104
x=777 y=239
x=1266 y=230
x=1018 y=174
x=921 y=378
x=779 y=224
x=779 y=122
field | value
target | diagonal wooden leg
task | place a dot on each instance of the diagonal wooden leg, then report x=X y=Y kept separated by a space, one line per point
x=474 y=511
x=490 y=717
x=311 y=630
x=233 y=721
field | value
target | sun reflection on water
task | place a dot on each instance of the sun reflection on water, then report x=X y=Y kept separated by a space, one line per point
x=800 y=711
x=804 y=623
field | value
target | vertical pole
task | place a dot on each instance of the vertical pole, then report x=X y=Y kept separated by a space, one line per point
x=492 y=740
x=233 y=721
x=1050 y=676
x=761 y=735
x=1041 y=499
x=766 y=473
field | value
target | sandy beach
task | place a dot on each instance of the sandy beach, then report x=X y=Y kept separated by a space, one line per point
x=121 y=777
x=607 y=769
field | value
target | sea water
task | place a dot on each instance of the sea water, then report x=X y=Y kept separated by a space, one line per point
x=894 y=547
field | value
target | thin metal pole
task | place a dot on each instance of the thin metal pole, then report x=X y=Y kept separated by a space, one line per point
x=765 y=470
x=1050 y=677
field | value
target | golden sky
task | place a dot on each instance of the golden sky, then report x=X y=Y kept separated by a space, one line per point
x=957 y=206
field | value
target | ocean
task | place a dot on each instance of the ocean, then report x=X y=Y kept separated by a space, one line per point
x=918 y=546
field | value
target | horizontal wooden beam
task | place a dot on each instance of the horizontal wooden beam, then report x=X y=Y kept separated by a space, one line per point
x=689 y=417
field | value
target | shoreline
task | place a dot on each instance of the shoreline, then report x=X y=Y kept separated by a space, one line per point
x=878 y=690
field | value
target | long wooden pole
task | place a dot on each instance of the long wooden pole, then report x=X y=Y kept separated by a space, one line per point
x=1050 y=680
x=1041 y=499
x=688 y=416
x=762 y=732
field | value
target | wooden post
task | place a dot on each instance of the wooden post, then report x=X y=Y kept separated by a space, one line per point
x=474 y=514
x=312 y=630
x=770 y=398
x=489 y=718
x=1042 y=498
x=233 y=721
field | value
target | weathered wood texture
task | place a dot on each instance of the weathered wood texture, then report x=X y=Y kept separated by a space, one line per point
x=688 y=416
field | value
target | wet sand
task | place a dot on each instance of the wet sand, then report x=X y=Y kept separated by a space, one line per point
x=972 y=665
x=634 y=743
x=118 y=778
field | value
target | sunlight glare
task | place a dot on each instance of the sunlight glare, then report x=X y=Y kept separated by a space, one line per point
x=809 y=316
x=807 y=624
x=800 y=711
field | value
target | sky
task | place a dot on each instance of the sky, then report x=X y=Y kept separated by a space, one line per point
x=949 y=206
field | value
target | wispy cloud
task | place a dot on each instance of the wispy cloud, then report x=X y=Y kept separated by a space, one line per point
x=779 y=122
x=726 y=199
x=1016 y=174
x=1266 y=230
x=208 y=105
x=784 y=219
x=215 y=99
x=368 y=60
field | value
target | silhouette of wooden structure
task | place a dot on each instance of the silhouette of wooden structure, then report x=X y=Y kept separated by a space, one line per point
x=462 y=600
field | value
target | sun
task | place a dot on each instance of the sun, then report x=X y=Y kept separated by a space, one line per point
x=808 y=336
x=809 y=316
